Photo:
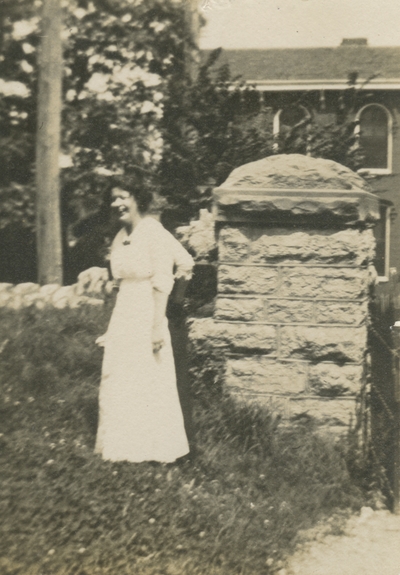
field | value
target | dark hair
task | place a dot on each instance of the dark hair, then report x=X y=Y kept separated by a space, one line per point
x=134 y=183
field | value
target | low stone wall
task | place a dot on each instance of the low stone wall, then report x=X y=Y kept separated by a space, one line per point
x=92 y=287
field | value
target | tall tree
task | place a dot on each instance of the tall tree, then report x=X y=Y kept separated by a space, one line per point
x=48 y=221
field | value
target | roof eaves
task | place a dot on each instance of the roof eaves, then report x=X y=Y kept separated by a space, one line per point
x=337 y=84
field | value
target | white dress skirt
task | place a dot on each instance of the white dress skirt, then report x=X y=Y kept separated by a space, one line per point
x=140 y=417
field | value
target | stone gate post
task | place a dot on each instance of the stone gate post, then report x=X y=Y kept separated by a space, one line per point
x=296 y=247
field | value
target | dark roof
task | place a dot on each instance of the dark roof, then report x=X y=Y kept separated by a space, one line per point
x=291 y=64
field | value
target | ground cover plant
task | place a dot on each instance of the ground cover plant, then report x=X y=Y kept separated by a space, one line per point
x=236 y=508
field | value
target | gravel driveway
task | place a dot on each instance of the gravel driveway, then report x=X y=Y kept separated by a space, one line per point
x=370 y=545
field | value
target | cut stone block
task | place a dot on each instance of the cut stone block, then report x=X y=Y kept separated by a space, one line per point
x=326 y=412
x=262 y=375
x=330 y=380
x=233 y=244
x=239 y=309
x=352 y=313
x=289 y=311
x=334 y=414
x=339 y=344
x=246 y=338
x=349 y=247
x=247 y=279
x=249 y=338
x=315 y=282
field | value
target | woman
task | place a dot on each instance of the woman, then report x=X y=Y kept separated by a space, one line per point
x=140 y=417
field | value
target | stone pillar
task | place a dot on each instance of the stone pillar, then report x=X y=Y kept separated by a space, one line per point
x=296 y=246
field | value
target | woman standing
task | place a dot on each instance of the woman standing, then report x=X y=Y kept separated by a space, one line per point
x=140 y=417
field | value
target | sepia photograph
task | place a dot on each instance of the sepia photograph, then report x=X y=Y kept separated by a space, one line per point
x=199 y=287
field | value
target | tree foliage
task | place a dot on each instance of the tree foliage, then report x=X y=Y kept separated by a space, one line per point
x=129 y=99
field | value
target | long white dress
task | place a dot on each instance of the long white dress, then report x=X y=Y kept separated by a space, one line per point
x=140 y=417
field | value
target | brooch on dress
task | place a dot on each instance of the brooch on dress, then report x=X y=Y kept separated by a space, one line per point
x=126 y=242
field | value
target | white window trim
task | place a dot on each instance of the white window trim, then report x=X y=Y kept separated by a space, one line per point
x=385 y=278
x=276 y=125
x=387 y=241
x=378 y=171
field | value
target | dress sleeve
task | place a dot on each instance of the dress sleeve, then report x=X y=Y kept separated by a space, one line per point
x=161 y=258
x=183 y=261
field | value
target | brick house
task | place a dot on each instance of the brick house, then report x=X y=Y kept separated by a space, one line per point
x=299 y=82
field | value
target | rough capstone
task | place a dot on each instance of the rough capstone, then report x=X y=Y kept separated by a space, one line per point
x=296 y=171
x=295 y=186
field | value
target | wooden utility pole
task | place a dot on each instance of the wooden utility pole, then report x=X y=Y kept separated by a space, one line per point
x=192 y=49
x=48 y=218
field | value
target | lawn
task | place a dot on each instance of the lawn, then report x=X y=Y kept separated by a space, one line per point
x=237 y=508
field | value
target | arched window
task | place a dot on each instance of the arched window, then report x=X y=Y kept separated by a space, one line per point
x=288 y=118
x=375 y=136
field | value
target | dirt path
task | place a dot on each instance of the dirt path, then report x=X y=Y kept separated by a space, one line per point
x=369 y=546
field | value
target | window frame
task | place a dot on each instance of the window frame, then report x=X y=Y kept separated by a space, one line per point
x=378 y=171
x=276 y=125
x=388 y=208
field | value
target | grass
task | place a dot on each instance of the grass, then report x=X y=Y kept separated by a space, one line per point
x=236 y=509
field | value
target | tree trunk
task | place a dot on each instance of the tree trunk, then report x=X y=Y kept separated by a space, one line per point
x=48 y=219
x=192 y=48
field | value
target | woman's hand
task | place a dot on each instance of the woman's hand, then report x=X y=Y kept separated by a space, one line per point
x=101 y=340
x=157 y=338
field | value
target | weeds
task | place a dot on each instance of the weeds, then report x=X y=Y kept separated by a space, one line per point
x=237 y=508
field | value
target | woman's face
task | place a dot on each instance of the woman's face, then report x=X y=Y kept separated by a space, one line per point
x=125 y=204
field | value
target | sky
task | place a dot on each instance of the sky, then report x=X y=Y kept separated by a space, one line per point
x=298 y=23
